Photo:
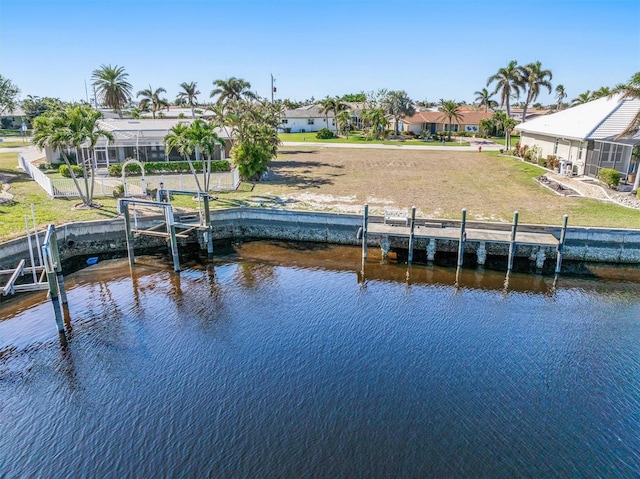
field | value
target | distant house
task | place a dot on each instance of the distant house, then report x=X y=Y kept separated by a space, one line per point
x=311 y=118
x=585 y=136
x=434 y=122
x=516 y=114
x=12 y=120
x=142 y=140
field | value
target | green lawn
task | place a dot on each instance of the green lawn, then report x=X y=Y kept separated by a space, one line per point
x=501 y=141
x=357 y=137
x=13 y=144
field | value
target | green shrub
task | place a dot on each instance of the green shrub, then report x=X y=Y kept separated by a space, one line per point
x=64 y=170
x=159 y=167
x=324 y=134
x=47 y=166
x=609 y=177
x=541 y=161
x=70 y=156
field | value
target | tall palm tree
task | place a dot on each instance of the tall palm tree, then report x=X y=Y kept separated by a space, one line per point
x=329 y=105
x=534 y=77
x=151 y=98
x=232 y=89
x=189 y=95
x=560 y=96
x=112 y=86
x=450 y=111
x=202 y=136
x=179 y=137
x=508 y=81
x=343 y=120
x=483 y=97
x=582 y=98
x=75 y=126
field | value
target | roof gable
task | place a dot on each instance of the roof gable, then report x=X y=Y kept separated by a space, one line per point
x=602 y=117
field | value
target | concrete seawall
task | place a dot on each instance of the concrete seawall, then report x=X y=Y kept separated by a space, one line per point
x=586 y=245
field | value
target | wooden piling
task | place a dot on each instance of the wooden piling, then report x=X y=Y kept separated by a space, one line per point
x=53 y=289
x=512 y=244
x=55 y=252
x=207 y=222
x=365 y=222
x=171 y=227
x=411 y=233
x=560 y=248
x=127 y=227
x=463 y=237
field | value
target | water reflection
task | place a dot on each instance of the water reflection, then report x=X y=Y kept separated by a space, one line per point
x=286 y=362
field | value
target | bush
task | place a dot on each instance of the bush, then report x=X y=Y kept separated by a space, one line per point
x=553 y=162
x=47 y=166
x=324 y=134
x=77 y=170
x=151 y=168
x=609 y=177
x=70 y=156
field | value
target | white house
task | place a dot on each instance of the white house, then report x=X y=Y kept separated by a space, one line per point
x=307 y=118
x=141 y=139
x=585 y=136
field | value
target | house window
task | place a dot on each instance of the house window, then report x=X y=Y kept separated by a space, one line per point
x=333 y=122
x=555 y=147
x=310 y=121
x=284 y=121
x=580 y=151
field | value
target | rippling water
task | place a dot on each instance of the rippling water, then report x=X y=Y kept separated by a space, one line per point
x=279 y=362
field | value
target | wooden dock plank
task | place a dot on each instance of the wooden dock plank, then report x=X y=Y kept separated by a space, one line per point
x=448 y=233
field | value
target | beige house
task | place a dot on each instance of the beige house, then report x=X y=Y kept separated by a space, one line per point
x=585 y=137
x=435 y=122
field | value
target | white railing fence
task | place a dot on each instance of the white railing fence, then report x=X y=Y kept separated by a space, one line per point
x=104 y=186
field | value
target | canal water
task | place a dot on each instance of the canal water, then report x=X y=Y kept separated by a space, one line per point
x=277 y=360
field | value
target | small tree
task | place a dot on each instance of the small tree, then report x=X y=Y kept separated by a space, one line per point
x=72 y=128
x=8 y=95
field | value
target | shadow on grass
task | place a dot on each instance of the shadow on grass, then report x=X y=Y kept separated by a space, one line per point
x=295 y=152
x=304 y=164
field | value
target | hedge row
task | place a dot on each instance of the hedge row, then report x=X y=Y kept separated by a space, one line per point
x=168 y=167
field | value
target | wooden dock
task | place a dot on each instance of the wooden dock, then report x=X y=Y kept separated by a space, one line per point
x=408 y=227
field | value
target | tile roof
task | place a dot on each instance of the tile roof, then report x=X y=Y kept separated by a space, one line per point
x=468 y=117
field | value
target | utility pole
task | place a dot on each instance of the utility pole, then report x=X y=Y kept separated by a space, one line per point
x=273 y=89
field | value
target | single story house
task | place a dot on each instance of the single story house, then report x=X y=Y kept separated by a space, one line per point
x=312 y=118
x=12 y=120
x=141 y=139
x=435 y=121
x=586 y=136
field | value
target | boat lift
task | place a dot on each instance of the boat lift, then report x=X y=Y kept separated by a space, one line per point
x=170 y=226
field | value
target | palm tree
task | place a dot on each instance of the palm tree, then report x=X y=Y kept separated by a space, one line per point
x=450 y=111
x=560 y=96
x=75 y=126
x=112 y=86
x=601 y=92
x=630 y=90
x=329 y=105
x=533 y=78
x=508 y=81
x=397 y=105
x=376 y=120
x=232 y=89
x=202 y=136
x=582 y=98
x=179 y=137
x=343 y=120
x=152 y=98
x=189 y=95
x=483 y=97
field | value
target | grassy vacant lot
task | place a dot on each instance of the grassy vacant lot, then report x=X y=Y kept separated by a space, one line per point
x=358 y=137
x=439 y=183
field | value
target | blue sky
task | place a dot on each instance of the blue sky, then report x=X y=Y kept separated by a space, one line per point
x=431 y=49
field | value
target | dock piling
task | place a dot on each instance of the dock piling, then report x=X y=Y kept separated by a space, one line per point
x=560 y=247
x=411 y=233
x=124 y=207
x=365 y=223
x=512 y=243
x=463 y=238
